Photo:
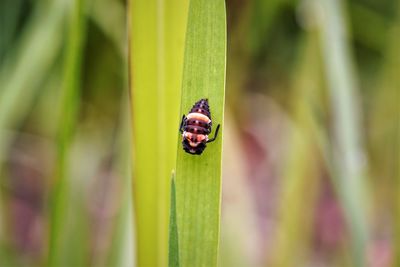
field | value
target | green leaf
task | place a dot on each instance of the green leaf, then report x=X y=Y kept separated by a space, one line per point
x=198 y=178
x=157 y=30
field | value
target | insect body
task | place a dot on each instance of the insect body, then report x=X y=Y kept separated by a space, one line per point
x=195 y=128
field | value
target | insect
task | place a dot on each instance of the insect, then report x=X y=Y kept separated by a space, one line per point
x=195 y=128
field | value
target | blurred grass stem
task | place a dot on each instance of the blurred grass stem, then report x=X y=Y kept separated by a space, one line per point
x=69 y=105
x=349 y=155
x=28 y=64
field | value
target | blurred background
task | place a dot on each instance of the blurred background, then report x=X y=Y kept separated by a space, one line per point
x=311 y=167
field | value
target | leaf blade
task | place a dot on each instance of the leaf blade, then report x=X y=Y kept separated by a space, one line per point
x=156 y=73
x=198 y=178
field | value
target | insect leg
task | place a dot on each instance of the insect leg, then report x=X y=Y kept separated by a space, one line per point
x=182 y=122
x=215 y=135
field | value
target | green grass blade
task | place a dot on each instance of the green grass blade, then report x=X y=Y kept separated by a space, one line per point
x=348 y=167
x=198 y=178
x=10 y=11
x=24 y=65
x=120 y=252
x=68 y=114
x=110 y=18
x=156 y=52
x=173 y=257
x=300 y=181
x=385 y=132
x=393 y=149
x=28 y=64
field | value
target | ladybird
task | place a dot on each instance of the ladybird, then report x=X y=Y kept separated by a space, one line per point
x=195 y=128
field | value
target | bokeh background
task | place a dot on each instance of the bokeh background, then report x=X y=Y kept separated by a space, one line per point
x=311 y=167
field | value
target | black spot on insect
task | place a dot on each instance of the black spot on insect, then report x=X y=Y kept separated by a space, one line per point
x=195 y=128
